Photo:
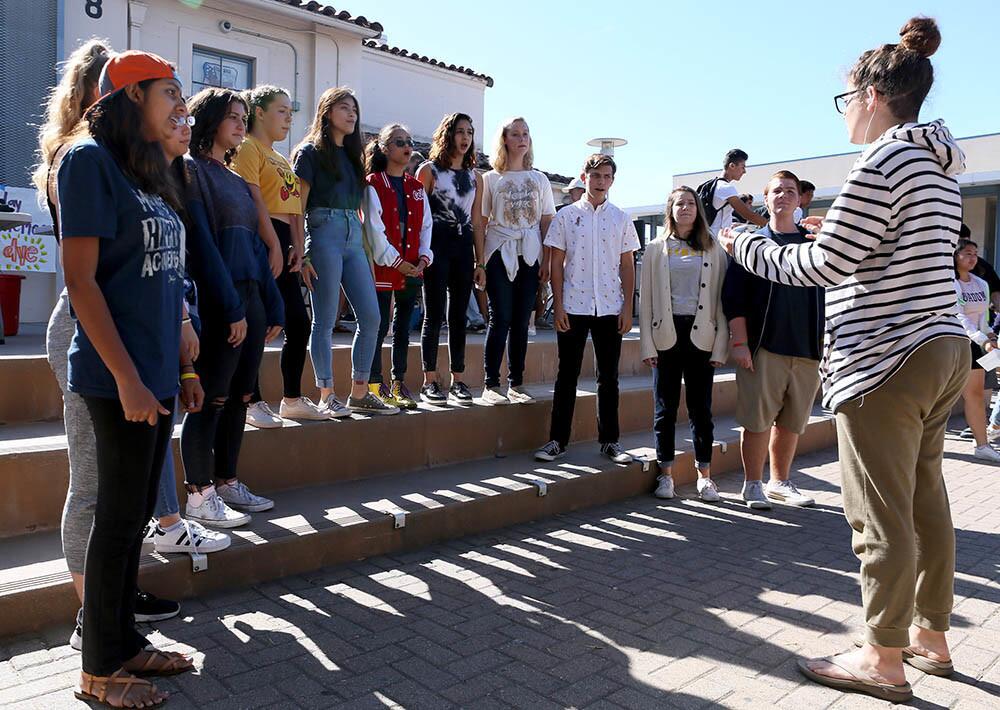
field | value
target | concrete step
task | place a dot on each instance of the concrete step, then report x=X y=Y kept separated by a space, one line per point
x=30 y=392
x=337 y=522
x=34 y=469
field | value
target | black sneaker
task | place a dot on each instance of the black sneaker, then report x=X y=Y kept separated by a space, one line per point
x=616 y=453
x=550 y=452
x=76 y=639
x=966 y=433
x=432 y=394
x=150 y=608
x=461 y=393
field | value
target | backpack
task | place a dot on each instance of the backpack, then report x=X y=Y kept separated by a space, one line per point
x=706 y=193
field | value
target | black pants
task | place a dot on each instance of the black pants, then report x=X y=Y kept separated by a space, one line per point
x=129 y=460
x=447 y=287
x=607 y=352
x=511 y=306
x=406 y=299
x=684 y=359
x=297 y=322
x=211 y=439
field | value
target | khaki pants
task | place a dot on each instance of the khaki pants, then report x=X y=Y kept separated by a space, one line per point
x=891 y=443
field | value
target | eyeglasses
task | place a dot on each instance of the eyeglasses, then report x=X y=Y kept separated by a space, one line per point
x=842 y=101
x=183 y=121
x=401 y=142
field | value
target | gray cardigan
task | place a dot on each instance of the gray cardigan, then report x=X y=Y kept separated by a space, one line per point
x=710 y=331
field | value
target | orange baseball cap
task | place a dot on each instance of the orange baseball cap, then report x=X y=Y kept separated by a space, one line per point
x=131 y=67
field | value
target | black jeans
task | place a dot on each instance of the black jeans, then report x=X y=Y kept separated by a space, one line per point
x=129 y=460
x=447 y=287
x=684 y=359
x=607 y=353
x=297 y=322
x=511 y=306
x=406 y=299
x=211 y=439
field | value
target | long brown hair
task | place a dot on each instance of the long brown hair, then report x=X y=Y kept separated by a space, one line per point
x=443 y=142
x=318 y=134
x=116 y=123
x=210 y=107
x=901 y=72
x=700 y=238
x=69 y=99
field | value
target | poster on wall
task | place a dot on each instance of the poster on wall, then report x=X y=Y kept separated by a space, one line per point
x=27 y=248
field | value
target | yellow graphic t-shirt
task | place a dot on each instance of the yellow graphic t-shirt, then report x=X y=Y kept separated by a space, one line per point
x=269 y=170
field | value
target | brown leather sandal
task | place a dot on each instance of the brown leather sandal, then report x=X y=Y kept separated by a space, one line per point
x=158 y=663
x=97 y=689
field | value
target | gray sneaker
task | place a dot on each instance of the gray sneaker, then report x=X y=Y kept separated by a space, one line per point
x=753 y=496
x=664 y=486
x=494 y=396
x=371 y=405
x=333 y=408
x=786 y=492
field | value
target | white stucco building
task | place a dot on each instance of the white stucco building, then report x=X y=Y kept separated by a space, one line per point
x=304 y=46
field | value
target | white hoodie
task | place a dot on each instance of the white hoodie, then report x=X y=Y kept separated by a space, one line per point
x=884 y=256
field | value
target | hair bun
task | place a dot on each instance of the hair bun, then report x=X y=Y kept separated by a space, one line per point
x=920 y=35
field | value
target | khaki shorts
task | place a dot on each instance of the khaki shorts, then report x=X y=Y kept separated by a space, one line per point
x=781 y=390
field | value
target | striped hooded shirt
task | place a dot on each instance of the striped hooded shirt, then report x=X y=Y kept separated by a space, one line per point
x=884 y=256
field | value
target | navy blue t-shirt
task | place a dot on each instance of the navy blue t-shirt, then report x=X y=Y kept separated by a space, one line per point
x=338 y=190
x=140 y=270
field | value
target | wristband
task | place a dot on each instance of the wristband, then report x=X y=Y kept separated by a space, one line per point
x=738 y=345
x=185 y=320
x=481 y=266
x=189 y=376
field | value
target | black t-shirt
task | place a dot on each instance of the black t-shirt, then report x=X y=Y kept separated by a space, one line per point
x=397 y=185
x=792 y=326
x=337 y=189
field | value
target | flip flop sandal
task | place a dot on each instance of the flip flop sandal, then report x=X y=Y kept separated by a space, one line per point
x=921 y=663
x=162 y=663
x=859 y=683
x=95 y=688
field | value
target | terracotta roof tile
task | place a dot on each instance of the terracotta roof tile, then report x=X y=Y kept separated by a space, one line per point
x=400 y=52
x=328 y=10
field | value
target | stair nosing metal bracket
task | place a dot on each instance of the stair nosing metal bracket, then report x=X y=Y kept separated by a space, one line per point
x=398 y=518
x=542 y=486
x=199 y=561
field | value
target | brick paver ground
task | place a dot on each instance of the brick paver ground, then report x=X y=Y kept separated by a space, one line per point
x=641 y=604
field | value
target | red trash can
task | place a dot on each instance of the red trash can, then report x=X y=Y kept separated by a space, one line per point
x=10 y=302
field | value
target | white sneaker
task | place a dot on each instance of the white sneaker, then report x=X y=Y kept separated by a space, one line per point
x=986 y=453
x=147 y=537
x=992 y=433
x=207 y=508
x=518 y=395
x=665 y=486
x=189 y=536
x=333 y=408
x=753 y=496
x=237 y=495
x=707 y=490
x=532 y=331
x=260 y=415
x=786 y=492
x=301 y=408
x=493 y=396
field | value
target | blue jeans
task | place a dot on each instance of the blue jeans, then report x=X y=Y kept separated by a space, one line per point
x=995 y=414
x=166 y=493
x=334 y=246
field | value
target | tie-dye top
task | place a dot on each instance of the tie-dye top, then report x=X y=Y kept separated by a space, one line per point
x=453 y=195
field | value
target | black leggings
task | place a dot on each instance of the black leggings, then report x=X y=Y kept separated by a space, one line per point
x=297 y=322
x=406 y=299
x=129 y=460
x=211 y=438
x=447 y=286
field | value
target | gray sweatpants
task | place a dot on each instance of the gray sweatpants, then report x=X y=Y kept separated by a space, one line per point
x=81 y=496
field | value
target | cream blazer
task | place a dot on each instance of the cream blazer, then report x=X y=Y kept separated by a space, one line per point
x=656 y=319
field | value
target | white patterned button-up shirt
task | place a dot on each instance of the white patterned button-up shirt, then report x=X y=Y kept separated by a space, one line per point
x=594 y=240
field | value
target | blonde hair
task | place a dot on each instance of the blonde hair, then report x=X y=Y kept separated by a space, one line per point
x=68 y=101
x=499 y=159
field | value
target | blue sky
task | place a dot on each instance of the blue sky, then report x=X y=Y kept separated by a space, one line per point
x=686 y=81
